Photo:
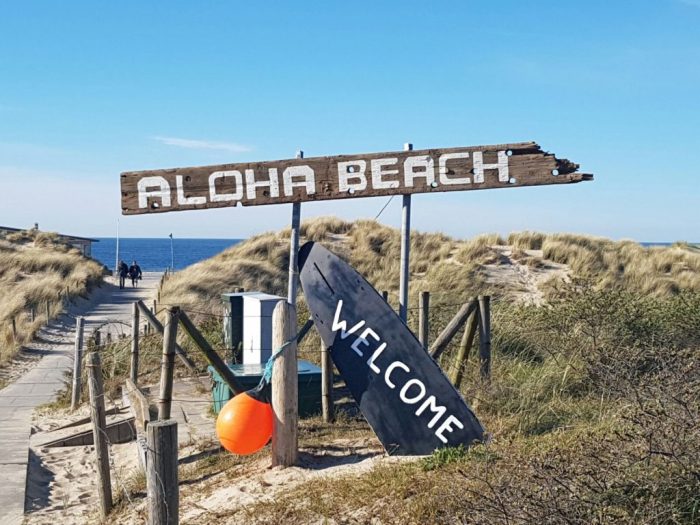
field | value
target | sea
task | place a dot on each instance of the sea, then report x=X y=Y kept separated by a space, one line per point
x=155 y=254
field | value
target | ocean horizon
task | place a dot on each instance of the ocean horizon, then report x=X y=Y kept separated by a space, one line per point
x=154 y=254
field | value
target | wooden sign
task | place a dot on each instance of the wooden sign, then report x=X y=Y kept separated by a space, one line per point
x=402 y=392
x=344 y=176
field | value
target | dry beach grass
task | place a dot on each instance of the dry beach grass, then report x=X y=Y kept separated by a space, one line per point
x=592 y=408
x=36 y=269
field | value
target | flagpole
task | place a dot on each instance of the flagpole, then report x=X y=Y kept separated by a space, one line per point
x=172 y=254
x=116 y=256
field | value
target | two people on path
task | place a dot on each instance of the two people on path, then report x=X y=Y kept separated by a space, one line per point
x=134 y=273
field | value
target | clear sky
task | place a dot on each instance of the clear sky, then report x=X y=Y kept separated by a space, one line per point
x=91 y=89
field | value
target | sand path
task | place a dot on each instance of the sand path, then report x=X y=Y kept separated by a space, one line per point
x=40 y=374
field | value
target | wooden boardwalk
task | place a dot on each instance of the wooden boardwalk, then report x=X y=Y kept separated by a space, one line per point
x=40 y=383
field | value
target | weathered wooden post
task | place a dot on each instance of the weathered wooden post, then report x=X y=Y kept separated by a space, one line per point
x=405 y=249
x=48 y=311
x=465 y=346
x=424 y=319
x=14 y=329
x=327 y=384
x=77 y=358
x=161 y=473
x=440 y=344
x=108 y=338
x=284 y=386
x=99 y=429
x=485 y=335
x=134 y=342
x=168 y=363
x=33 y=313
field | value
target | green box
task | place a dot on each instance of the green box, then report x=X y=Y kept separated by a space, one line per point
x=249 y=376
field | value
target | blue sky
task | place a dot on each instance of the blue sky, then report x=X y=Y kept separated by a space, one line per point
x=91 y=89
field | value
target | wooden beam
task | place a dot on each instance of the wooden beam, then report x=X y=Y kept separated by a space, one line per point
x=155 y=323
x=138 y=404
x=99 y=425
x=210 y=354
x=168 y=364
x=327 y=407
x=161 y=474
x=452 y=328
x=465 y=346
x=134 y=369
x=344 y=176
x=485 y=336
x=424 y=319
x=285 y=448
x=77 y=362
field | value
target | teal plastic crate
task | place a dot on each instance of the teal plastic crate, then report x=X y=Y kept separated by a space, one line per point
x=249 y=376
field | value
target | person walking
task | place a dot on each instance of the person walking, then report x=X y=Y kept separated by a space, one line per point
x=134 y=273
x=123 y=271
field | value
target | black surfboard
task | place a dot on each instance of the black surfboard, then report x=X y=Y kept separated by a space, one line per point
x=402 y=392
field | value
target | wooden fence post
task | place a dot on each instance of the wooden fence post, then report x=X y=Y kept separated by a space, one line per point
x=14 y=329
x=168 y=363
x=485 y=335
x=48 y=311
x=33 y=313
x=161 y=473
x=438 y=347
x=77 y=358
x=97 y=336
x=423 y=319
x=99 y=429
x=465 y=347
x=284 y=387
x=134 y=342
x=327 y=385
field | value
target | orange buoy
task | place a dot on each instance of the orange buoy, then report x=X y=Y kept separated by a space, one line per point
x=244 y=425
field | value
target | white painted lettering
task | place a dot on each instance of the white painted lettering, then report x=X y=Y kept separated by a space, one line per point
x=353 y=169
x=403 y=395
x=186 y=201
x=390 y=369
x=308 y=181
x=432 y=403
x=225 y=197
x=163 y=191
x=501 y=166
x=378 y=171
x=252 y=185
x=443 y=169
x=362 y=340
x=375 y=355
x=343 y=325
x=447 y=426
x=427 y=169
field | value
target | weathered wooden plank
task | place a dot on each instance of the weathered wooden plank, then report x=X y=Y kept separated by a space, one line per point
x=139 y=405
x=344 y=176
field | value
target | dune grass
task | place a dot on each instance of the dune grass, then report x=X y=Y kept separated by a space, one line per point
x=593 y=404
x=36 y=270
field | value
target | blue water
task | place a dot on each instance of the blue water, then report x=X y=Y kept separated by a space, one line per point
x=154 y=254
